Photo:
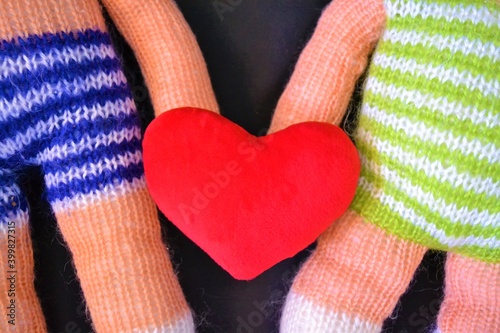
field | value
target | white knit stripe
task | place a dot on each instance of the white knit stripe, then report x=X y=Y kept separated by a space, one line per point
x=420 y=222
x=20 y=219
x=58 y=152
x=456 y=215
x=301 y=315
x=11 y=146
x=6 y=194
x=436 y=104
x=24 y=102
x=450 y=175
x=424 y=9
x=451 y=43
x=53 y=179
x=108 y=192
x=182 y=325
x=78 y=53
x=444 y=75
x=415 y=129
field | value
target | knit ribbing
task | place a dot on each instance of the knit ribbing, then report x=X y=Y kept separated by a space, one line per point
x=428 y=128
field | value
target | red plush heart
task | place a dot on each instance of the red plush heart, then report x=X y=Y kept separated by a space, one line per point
x=249 y=202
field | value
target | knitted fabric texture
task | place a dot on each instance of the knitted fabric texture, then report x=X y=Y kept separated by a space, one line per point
x=428 y=129
x=323 y=80
x=170 y=59
x=65 y=106
x=353 y=280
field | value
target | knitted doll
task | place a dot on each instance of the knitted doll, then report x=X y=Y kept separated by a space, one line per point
x=428 y=138
x=65 y=106
x=435 y=71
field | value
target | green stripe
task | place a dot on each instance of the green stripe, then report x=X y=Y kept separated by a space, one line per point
x=372 y=210
x=454 y=28
x=451 y=228
x=433 y=118
x=464 y=163
x=444 y=58
x=458 y=196
x=434 y=87
x=490 y=4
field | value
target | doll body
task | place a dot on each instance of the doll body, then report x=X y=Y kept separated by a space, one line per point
x=407 y=164
x=65 y=106
x=428 y=142
x=428 y=129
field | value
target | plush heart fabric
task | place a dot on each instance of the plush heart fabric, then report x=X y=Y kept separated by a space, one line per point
x=248 y=202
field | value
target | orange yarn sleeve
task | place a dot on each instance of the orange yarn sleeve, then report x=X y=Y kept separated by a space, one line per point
x=472 y=294
x=331 y=63
x=167 y=51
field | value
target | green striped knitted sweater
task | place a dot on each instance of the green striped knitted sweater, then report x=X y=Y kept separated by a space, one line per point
x=429 y=128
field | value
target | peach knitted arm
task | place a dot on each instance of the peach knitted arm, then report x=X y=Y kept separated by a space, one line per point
x=331 y=63
x=325 y=295
x=472 y=294
x=361 y=265
x=167 y=51
x=65 y=106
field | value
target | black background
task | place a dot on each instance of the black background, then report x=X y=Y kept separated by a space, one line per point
x=250 y=47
